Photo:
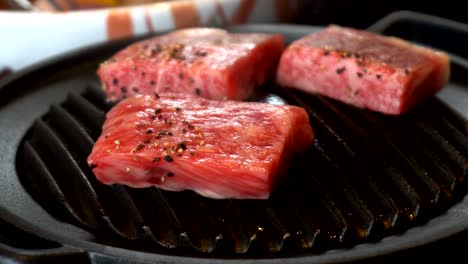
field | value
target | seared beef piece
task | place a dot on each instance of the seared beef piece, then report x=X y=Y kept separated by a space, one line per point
x=219 y=149
x=211 y=63
x=367 y=70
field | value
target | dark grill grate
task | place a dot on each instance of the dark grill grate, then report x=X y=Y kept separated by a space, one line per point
x=367 y=176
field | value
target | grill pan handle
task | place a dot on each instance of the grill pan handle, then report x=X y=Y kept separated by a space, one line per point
x=441 y=33
x=62 y=254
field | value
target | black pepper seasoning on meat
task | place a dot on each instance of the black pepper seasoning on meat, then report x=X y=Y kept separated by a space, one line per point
x=156 y=95
x=359 y=74
x=170 y=174
x=345 y=54
x=156 y=159
x=378 y=76
x=149 y=131
x=407 y=71
x=168 y=158
x=197 y=91
x=182 y=145
x=181 y=75
x=123 y=89
x=152 y=82
x=140 y=146
x=326 y=52
x=135 y=89
x=157 y=110
x=200 y=53
x=340 y=70
x=115 y=81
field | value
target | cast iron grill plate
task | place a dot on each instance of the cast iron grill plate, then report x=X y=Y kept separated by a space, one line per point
x=366 y=176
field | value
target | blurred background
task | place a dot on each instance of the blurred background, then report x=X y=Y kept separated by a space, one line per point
x=55 y=27
x=358 y=13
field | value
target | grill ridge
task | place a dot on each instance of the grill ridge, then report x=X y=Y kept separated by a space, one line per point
x=362 y=180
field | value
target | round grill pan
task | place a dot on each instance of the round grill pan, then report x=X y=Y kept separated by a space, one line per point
x=362 y=211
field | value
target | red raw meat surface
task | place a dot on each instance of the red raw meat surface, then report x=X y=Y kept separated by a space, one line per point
x=219 y=149
x=211 y=63
x=364 y=69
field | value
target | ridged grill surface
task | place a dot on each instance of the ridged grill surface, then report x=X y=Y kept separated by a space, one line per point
x=366 y=176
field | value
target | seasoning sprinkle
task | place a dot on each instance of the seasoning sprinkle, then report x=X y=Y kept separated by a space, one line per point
x=184 y=130
x=149 y=131
x=157 y=110
x=152 y=82
x=378 y=76
x=192 y=152
x=197 y=91
x=182 y=145
x=117 y=142
x=407 y=71
x=170 y=133
x=202 y=143
x=156 y=159
x=181 y=75
x=191 y=80
x=135 y=89
x=201 y=53
x=359 y=74
x=340 y=70
x=345 y=54
x=115 y=81
x=140 y=146
x=178 y=109
x=326 y=52
x=123 y=89
x=170 y=174
x=168 y=158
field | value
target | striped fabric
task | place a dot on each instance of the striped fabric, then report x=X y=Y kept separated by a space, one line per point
x=106 y=20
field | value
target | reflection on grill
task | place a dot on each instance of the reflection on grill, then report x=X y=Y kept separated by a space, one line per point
x=367 y=176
